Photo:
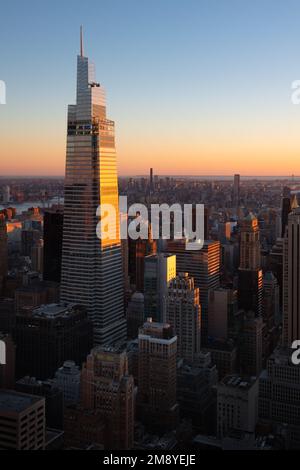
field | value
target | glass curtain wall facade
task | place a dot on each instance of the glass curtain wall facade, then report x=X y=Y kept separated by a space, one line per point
x=91 y=267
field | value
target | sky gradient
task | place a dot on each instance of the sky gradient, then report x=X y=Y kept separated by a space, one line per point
x=195 y=87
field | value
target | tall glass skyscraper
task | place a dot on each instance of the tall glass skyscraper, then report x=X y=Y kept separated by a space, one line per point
x=91 y=268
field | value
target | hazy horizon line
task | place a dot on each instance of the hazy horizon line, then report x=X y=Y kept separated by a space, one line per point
x=146 y=175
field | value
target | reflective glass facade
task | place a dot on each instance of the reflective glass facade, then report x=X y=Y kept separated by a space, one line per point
x=92 y=268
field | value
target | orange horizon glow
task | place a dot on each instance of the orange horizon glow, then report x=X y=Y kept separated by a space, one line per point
x=46 y=157
x=266 y=148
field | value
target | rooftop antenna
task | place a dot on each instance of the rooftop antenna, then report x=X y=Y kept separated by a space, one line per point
x=81 y=41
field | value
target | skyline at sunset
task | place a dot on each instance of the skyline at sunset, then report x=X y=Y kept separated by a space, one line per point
x=199 y=88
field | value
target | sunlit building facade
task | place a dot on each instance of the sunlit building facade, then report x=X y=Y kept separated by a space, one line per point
x=92 y=267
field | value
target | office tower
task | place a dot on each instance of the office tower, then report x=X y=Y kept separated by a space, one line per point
x=157 y=404
x=249 y=243
x=222 y=313
x=135 y=314
x=291 y=279
x=53 y=231
x=271 y=313
x=37 y=254
x=250 y=278
x=33 y=295
x=29 y=237
x=160 y=269
x=236 y=190
x=279 y=402
x=22 y=421
x=271 y=310
x=204 y=266
x=50 y=335
x=183 y=312
x=224 y=232
x=275 y=264
x=3 y=251
x=108 y=388
x=143 y=248
x=54 y=403
x=237 y=405
x=92 y=267
x=67 y=379
x=137 y=251
x=7 y=370
x=196 y=392
x=285 y=209
x=251 y=345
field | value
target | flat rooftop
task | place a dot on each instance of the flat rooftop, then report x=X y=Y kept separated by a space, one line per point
x=11 y=401
x=53 y=310
x=234 y=381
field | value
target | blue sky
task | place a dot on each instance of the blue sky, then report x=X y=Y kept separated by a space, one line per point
x=175 y=72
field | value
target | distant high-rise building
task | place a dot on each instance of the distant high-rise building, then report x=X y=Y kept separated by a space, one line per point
x=151 y=181
x=250 y=277
x=29 y=237
x=236 y=190
x=224 y=232
x=50 y=335
x=160 y=269
x=22 y=421
x=291 y=279
x=107 y=387
x=251 y=345
x=183 y=313
x=92 y=272
x=157 y=404
x=143 y=248
x=53 y=231
x=222 y=308
x=137 y=251
x=271 y=305
x=285 y=209
x=204 y=266
x=135 y=314
x=271 y=313
x=37 y=254
x=250 y=243
x=275 y=264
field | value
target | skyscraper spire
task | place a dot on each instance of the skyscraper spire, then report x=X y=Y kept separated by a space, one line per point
x=81 y=41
